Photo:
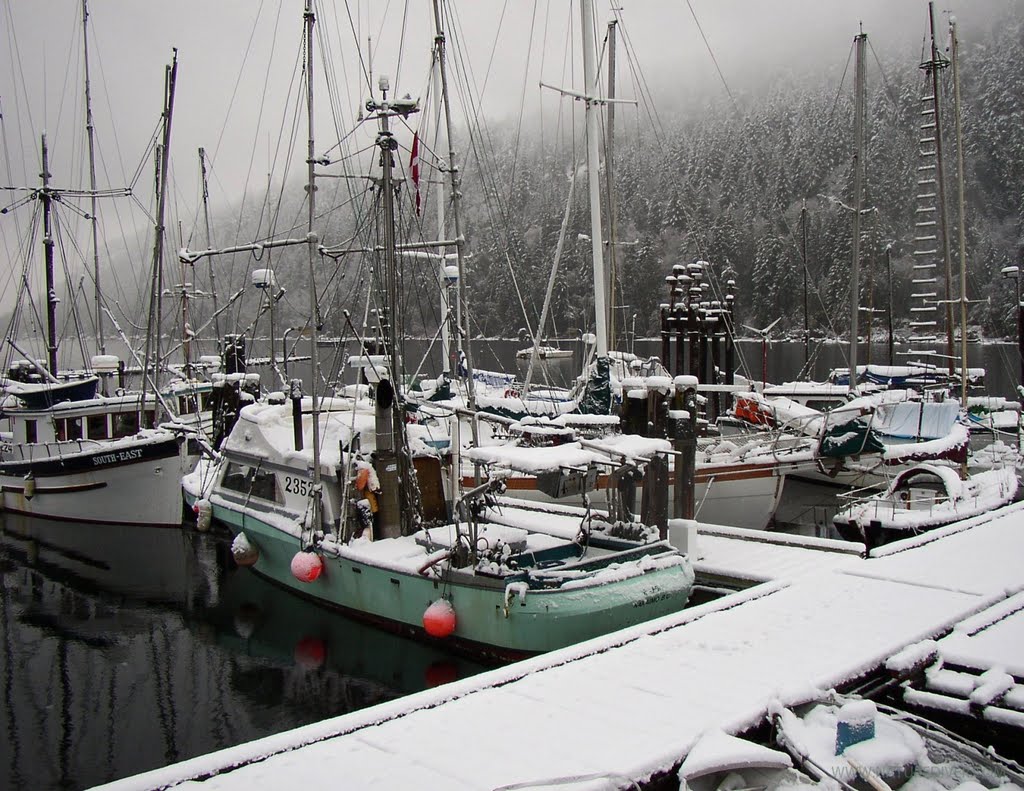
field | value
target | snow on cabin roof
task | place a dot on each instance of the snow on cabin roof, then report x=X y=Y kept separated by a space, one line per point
x=718 y=751
x=265 y=431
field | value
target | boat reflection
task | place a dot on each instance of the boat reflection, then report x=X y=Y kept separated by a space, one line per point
x=125 y=649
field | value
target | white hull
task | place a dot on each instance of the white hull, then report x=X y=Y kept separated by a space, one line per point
x=143 y=492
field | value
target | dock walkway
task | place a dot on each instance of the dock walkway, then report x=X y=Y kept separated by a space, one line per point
x=630 y=705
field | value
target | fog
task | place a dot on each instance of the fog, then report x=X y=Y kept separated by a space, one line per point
x=237 y=72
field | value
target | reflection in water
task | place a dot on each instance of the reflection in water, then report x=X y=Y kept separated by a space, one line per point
x=127 y=648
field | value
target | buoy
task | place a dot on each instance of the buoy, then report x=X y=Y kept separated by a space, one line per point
x=306 y=566
x=30 y=486
x=204 y=514
x=439 y=618
x=243 y=551
x=310 y=653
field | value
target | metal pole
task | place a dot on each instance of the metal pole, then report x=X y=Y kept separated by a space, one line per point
x=100 y=343
x=593 y=166
x=312 y=241
x=955 y=46
x=609 y=161
x=803 y=256
x=209 y=241
x=51 y=294
x=888 y=270
x=858 y=169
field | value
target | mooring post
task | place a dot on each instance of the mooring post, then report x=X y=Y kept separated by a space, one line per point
x=686 y=447
x=295 y=393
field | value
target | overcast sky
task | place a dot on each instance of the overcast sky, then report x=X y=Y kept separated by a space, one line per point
x=237 y=65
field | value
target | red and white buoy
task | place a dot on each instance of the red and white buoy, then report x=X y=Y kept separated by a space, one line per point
x=439 y=618
x=310 y=653
x=306 y=566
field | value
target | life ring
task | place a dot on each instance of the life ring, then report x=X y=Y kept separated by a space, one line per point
x=511 y=392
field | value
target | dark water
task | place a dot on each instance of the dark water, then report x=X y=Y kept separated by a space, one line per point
x=126 y=649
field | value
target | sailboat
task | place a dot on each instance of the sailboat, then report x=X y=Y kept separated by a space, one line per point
x=347 y=506
x=73 y=452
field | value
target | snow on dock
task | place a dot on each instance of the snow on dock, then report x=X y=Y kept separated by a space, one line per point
x=631 y=704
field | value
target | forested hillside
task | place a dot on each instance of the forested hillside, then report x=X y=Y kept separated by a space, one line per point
x=727 y=182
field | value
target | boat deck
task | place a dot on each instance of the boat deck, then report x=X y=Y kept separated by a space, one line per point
x=631 y=704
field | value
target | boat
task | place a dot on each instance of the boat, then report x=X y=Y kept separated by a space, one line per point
x=71 y=451
x=544 y=353
x=347 y=507
x=861 y=744
x=924 y=497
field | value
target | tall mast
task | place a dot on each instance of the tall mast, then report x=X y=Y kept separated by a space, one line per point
x=937 y=63
x=51 y=293
x=858 y=186
x=456 y=178
x=100 y=343
x=209 y=241
x=312 y=241
x=803 y=257
x=593 y=178
x=435 y=96
x=954 y=48
x=609 y=161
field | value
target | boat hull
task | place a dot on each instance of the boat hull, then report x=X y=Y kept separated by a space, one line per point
x=135 y=485
x=489 y=621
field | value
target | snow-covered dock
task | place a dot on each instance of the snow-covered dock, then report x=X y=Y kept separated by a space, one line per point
x=631 y=704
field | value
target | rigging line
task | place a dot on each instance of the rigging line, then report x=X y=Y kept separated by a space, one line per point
x=401 y=46
x=242 y=70
x=358 y=46
x=842 y=82
x=16 y=68
x=640 y=83
x=885 y=83
x=522 y=97
x=710 y=52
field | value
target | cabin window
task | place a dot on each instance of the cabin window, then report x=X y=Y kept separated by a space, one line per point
x=184 y=405
x=74 y=430
x=250 y=481
x=60 y=429
x=126 y=424
x=206 y=399
x=149 y=418
x=30 y=431
x=96 y=425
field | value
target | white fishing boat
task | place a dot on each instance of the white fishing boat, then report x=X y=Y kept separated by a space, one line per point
x=79 y=456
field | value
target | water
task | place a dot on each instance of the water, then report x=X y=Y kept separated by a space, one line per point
x=126 y=649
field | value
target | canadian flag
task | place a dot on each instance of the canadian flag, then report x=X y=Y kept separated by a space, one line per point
x=414 y=166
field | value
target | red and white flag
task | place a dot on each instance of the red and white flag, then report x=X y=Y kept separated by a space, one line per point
x=414 y=166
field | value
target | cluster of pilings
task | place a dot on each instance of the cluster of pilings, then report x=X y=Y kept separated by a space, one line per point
x=701 y=329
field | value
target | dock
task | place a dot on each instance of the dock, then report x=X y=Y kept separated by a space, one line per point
x=627 y=707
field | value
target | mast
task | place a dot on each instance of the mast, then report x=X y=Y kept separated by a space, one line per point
x=954 y=48
x=51 y=294
x=100 y=343
x=803 y=257
x=155 y=304
x=937 y=63
x=435 y=95
x=456 y=177
x=609 y=161
x=311 y=240
x=858 y=186
x=593 y=178
x=209 y=241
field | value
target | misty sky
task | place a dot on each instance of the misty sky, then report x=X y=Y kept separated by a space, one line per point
x=237 y=71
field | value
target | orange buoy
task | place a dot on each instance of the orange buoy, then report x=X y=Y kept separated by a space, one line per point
x=306 y=566
x=439 y=618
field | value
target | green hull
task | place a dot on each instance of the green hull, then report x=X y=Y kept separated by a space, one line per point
x=542 y=620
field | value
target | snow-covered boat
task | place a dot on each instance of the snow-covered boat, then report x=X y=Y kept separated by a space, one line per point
x=544 y=353
x=854 y=743
x=348 y=506
x=923 y=497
